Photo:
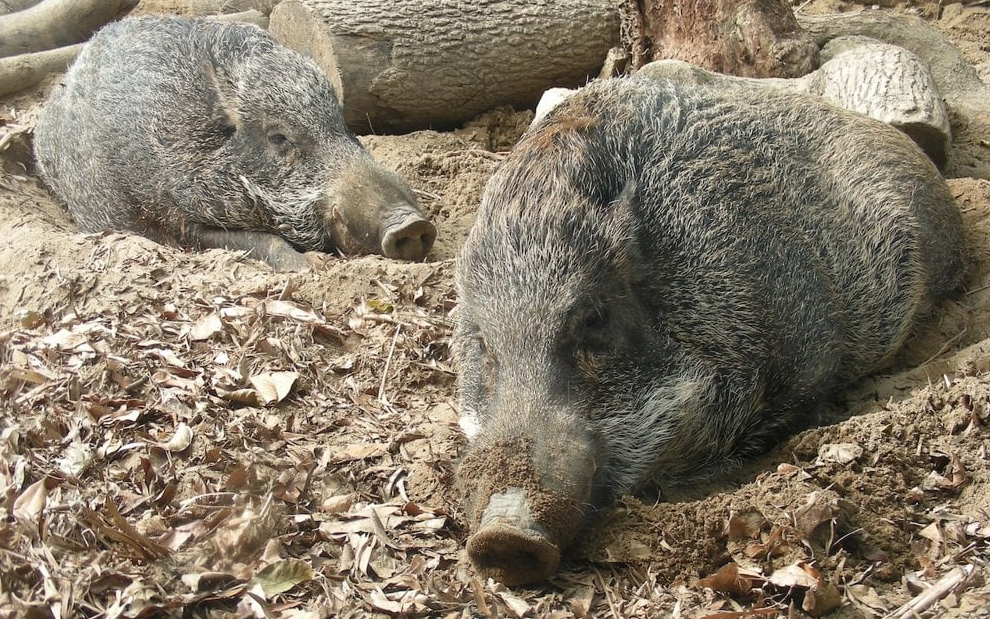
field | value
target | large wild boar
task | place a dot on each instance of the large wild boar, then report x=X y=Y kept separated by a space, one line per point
x=665 y=278
x=209 y=134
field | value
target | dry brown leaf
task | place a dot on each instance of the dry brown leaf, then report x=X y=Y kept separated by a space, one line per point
x=728 y=579
x=337 y=504
x=168 y=356
x=282 y=576
x=287 y=309
x=839 y=453
x=33 y=377
x=77 y=456
x=932 y=532
x=516 y=606
x=30 y=503
x=206 y=327
x=745 y=525
x=273 y=387
x=243 y=396
x=774 y=546
x=181 y=439
x=581 y=600
x=795 y=575
x=359 y=452
x=379 y=601
x=821 y=600
x=820 y=507
x=68 y=341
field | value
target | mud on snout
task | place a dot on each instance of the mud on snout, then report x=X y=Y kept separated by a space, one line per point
x=522 y=513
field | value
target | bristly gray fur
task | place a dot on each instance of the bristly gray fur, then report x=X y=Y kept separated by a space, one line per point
x=178 y=128
x=672 y=277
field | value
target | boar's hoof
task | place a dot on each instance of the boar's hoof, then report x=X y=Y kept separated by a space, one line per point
x=409 y=240
x=513 y=555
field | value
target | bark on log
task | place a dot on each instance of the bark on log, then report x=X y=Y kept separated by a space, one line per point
x=400 y=65
x=751 y=38
x=959 y=83
x=247 y=17
x=26 y=70
x=883 y=81
x=223 y=7
x=56 y=23
x=12 y=6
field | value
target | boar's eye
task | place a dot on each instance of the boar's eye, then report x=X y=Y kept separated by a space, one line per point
x=280 y=141
x=594 y=325
x=593 y=332
x=488 y=364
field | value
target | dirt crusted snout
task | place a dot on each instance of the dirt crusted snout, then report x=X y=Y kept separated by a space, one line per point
x=523 y=513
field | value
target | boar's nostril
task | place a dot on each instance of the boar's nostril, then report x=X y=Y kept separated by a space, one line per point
x=410 y=240
x=512 y=555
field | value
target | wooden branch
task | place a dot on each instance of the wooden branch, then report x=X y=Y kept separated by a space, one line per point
x=400 y=65
x=957 y=581
x=26 y=70
x=248 y=17
x=56 y=23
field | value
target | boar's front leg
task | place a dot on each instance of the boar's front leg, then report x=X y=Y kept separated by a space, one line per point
x=271 y=248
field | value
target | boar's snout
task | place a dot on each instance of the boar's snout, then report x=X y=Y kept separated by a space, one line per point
x=512 y=555
x=373 y=211
x=409 y=240
x=509 y=545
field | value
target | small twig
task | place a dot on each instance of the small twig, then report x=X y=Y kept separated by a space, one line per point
x=803 y=4
x=388 y=363
x=426 y=194
x=739 y=614
x=956 y=579
x=975 y=290
x=945 y=347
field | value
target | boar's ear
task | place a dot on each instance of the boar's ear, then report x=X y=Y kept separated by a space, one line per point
x=222 y=93
x=626 y=255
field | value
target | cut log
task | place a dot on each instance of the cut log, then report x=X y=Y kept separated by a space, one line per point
x=400 y=65
x=26 y=70
x=885 y=82
x=12 y=6
x=751 y=38
x=246 y=17
x=959 y=83
x=56 y=23
x=218 y=7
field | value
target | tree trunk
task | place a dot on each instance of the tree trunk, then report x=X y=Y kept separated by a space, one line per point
x=749 y=38
x=56 y=23
x=25 y=70
x=400 y=65
x=251 y=16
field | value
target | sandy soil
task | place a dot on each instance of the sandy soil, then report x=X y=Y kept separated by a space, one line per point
x=194 y=435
